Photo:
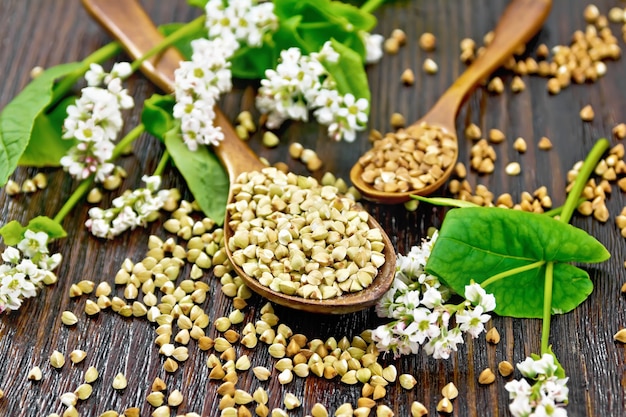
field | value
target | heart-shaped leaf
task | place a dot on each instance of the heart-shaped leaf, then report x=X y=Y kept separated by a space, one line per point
x=205 y=176
x=17 y=120
x=479 y=243
x=13 y=232
x=47 y=146
x=157 y=116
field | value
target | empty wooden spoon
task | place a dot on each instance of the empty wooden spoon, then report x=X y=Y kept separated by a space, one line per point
x=519 y=22
x=127 y=22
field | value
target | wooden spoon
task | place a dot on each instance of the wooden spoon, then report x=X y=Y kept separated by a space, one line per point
x=128 y=22
x=519 y=22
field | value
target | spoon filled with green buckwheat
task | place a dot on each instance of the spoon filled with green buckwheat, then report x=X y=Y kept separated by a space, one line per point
x=292 y=240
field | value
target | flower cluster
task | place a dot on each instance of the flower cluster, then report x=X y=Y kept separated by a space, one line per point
x=131 y=209
x=200 y=82
x=198 y=86
x=25 y=268
x=95 y=120
x=416 y=303
x=246 y=21
x=546 y=397
x=299 y=84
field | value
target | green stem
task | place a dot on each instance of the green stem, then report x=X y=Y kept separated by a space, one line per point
x=65 y=85
x=110 y=50
x=84 y=186
x=162 y=163
x=581 y=179
x=168 y=41
x=547 y=308
x=127 y=140
x=558 y=210
x=371 y=5
x=74 y=198
x=572 y=201
x=510 y=272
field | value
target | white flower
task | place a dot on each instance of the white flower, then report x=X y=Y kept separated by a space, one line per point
x=520 y=406
x=48 y=263
x=407 y=338
x=475 y=294
x=409 y=300
x=427 y=326
x=33 y=243
x=98 y=227
x=11 y=255
x=472 y=321
x=432 y=298
x=519 y=388
x=442 y=346
x=326 y=105
x=27 y=267
x=152 y=182
x=121 y=70
x=545 y=365
x=95 y=74
x=373 y=46
x=383 y=337
x=353 y=110
x=547 y=408
x=327 y=53
x=556 y=389
x=527 y=367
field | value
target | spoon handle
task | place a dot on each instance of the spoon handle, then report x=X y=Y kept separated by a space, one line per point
x=128 y=23
x=519 y=22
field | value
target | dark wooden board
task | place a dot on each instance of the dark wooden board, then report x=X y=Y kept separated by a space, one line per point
x=42 y=32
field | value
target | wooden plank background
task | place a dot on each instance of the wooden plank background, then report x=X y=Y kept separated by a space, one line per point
x=43 y=32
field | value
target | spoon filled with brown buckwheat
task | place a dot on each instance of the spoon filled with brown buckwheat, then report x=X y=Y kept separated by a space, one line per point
x=420 y=158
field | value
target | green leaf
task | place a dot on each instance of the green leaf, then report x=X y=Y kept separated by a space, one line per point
x=479 y=243
x=205 y=176
x=18 y=117
x=198 y=3
x=183 y=44
x=348 y=72
x=317 y=21
x=157 y=116
x=13 y=232
x=250 y=63
x=45 y=224
x=47 y=146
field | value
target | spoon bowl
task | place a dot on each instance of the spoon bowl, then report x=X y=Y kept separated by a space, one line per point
x=520 y=21
x=127 y=22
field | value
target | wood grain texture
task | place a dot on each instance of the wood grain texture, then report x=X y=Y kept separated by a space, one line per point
x=41 y=32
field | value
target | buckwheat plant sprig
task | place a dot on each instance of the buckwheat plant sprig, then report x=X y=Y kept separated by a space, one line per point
x=131 y=209
x=95 y=120
x=198 y=86
x=200 y=82
x=299 y=84
x=416 y=301
x=546 y=396
x=25 y=268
